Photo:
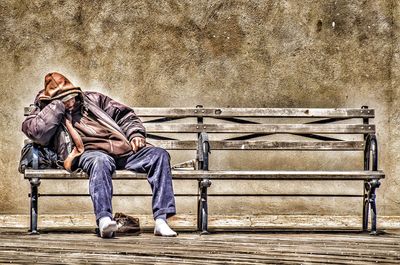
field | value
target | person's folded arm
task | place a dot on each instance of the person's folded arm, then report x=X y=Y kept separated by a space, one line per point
x=41 y=125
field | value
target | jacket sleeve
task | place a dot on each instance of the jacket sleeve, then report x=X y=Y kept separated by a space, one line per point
x=124 y=116
x=41 y=125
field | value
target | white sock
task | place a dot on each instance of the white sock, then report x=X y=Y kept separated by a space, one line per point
x=107 y=227
x=163 y=229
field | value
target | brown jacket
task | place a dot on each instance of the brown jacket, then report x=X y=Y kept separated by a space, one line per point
x=114 y=123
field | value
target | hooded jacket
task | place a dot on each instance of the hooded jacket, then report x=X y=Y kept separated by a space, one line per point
x=113 y=124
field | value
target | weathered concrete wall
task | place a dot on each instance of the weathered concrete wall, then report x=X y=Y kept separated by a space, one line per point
x=215 y=53
x=393 y=165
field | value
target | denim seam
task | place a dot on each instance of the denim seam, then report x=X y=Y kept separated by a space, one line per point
x=169 y=211
x=103 y=214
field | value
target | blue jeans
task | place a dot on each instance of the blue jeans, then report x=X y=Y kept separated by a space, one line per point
x=154 y=161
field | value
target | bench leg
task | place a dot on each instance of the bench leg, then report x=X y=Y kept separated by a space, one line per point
x=35 y=182
x=370 y=203
x=202 y=216
x=365 y=208
x=372 y=200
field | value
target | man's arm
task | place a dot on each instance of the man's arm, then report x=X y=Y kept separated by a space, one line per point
x=124 y=116
x=41 y=125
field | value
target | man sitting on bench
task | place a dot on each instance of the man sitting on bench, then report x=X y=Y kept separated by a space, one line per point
x=91 y=131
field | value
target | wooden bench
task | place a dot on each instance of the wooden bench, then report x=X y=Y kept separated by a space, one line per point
x=249 y=129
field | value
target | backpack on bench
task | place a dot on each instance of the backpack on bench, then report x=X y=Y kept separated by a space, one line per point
x=46 y=157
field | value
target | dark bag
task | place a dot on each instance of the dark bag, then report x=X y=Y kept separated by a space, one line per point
x=127 y=225
x=46 y=157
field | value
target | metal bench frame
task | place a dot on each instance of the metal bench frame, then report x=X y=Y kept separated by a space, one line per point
x=370 y=175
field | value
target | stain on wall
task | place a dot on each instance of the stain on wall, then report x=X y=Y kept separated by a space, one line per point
x=215 y=53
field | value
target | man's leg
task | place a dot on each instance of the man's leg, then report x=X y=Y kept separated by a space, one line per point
x=100 y=167
x=155 y=162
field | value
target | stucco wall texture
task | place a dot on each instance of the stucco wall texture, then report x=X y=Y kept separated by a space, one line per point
x=215 y=53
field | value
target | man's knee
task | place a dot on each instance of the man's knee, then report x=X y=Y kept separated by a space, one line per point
x=160 y=153
x=100 y=161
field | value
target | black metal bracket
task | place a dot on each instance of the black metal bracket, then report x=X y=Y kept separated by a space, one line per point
x=203 y=155
x=370 y=151
x=203 y=149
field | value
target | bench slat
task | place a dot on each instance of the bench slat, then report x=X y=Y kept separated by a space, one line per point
x=212 y=195
x=257 y=145
x=231 y=174
x=257 y=112
x=262 y=145
x=174 y=144
x=262 y=128
x=252 y=112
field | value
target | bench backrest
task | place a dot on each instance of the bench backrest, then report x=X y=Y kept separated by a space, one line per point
x=247 y=128
x=324 y=125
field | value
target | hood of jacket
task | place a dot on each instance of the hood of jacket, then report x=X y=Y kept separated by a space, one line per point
x=56 y=86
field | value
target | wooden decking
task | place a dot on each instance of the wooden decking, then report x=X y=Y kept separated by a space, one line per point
x=56 y=247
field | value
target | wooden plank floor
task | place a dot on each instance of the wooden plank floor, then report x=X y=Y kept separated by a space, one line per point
x=56 y=247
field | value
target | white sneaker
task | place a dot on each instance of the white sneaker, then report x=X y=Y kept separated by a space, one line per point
x=163 y=229
x=107 y=227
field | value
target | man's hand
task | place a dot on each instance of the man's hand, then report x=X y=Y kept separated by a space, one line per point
x=137 y=143
x=69 y=101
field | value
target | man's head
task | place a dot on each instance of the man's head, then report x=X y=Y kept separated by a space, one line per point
x=57 y=86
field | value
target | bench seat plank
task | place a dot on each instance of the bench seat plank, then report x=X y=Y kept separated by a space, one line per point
x=261 y=128
x=257 y=112
x=262 y=145
x=225 y=174
x=287 y=145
